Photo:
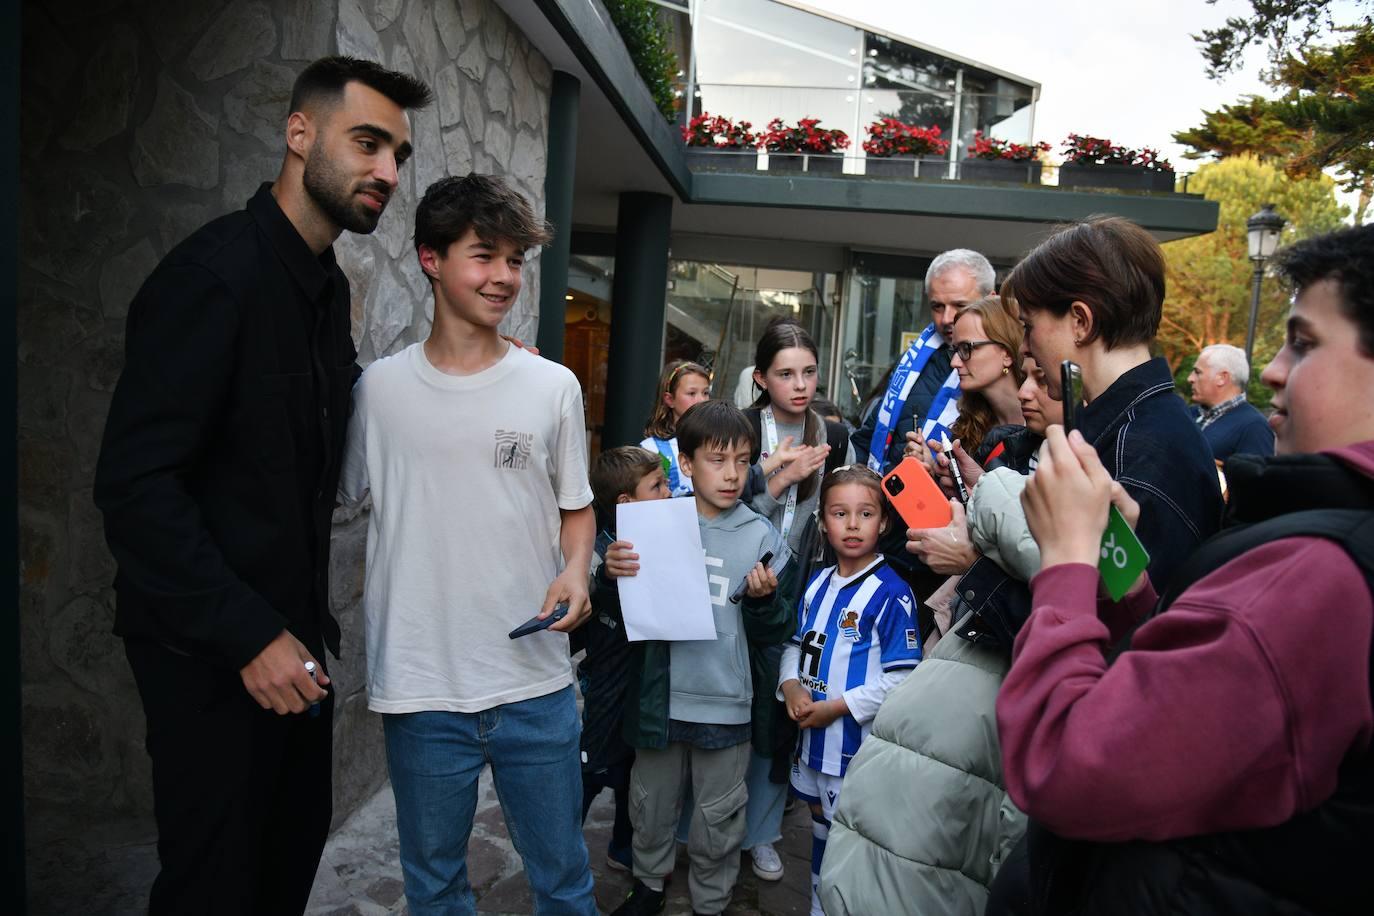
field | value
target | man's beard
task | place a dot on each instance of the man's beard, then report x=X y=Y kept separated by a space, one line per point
x=329 y=188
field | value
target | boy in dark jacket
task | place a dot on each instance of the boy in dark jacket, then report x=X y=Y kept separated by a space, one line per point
x=620 y=475
x=690 y=709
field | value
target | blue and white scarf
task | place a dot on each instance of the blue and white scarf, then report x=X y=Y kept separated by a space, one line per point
x=944 y=407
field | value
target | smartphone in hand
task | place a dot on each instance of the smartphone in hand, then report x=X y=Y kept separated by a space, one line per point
x=743 y=587
x=916 y=496
x=1071 y=393
x=534 y=624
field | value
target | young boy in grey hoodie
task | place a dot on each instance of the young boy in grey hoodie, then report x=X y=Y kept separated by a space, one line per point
x=689 y=704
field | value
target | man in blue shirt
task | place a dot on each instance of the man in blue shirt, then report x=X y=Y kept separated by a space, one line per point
x=1229 y=423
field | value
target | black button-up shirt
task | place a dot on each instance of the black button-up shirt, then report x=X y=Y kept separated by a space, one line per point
x=221 y=456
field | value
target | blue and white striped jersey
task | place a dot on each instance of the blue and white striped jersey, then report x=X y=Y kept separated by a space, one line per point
x=851 y=631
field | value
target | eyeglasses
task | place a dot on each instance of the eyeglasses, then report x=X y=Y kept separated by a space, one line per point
x=965 y=348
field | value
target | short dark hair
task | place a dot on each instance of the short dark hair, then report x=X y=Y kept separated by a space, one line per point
x=617 y=472
x=323 y=81
x=1345 y=257
x=1107 y=262
x=713 y=424
x=483 y=203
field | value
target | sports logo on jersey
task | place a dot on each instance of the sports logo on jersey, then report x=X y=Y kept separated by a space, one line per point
x=849 y=625
x=905 y=602
x=812 y=648
x=911 y=639
x=513 y=449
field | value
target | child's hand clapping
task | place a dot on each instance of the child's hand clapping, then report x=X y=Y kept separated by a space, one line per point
x=621 y=560
x=802 y=463
x=760 y=582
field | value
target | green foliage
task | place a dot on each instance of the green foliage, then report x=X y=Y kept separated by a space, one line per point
x=1250 y=126
x=648 y=40
x=1324 y=119
x=1288 y=26
x=1209 y=276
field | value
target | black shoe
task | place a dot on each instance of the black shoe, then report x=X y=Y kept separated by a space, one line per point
x=642 y=901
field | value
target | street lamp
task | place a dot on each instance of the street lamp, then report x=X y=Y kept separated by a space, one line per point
x=1263 y=230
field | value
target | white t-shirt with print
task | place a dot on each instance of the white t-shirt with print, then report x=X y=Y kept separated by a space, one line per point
x=467 y=474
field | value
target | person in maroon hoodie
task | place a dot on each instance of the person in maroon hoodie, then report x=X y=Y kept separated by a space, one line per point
x=1222 y=762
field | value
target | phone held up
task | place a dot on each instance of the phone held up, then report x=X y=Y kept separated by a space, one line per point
x=916 y=496
x=1122 y=557
x=1071 y=391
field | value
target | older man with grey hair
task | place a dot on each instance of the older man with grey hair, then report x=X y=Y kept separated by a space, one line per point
x=1229 y=423
x=923 y=385
x=954 y=279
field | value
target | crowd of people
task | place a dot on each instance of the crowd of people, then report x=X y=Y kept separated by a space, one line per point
x=973 y=722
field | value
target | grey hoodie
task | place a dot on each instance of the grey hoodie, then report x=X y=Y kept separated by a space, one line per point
x=710 y=679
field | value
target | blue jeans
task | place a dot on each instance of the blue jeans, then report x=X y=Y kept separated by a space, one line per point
x=435 y=759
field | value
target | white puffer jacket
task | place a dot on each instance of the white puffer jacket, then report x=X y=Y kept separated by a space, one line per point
x=924 y=820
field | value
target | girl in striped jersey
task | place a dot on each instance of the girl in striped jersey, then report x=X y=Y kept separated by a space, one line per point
x=683 y=384
x=856 y=640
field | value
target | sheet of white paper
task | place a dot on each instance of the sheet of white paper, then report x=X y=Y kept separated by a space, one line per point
x=669 y=598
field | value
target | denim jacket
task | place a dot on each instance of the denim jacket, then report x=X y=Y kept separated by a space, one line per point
x=1148 y=442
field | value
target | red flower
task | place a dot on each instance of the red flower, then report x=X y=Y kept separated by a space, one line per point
x=806 y=136
x=890 y=137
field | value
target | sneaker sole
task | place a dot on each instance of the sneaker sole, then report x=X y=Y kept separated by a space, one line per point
x=768 y=875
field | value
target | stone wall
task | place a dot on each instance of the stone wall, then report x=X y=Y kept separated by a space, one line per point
x=140 y=121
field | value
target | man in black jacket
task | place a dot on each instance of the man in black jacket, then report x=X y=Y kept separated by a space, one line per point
x=217 y=479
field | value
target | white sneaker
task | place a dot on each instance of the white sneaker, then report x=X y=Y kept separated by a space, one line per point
x=767 y=864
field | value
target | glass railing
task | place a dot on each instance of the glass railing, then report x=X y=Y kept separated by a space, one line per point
x=852 y=110
x=1006 y=118
x=848 y=166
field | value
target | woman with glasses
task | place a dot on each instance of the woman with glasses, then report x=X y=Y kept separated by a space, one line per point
x=986 y=341
x=987 y=356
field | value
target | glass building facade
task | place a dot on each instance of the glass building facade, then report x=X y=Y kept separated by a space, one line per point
x=756 y=60
x=862 y=319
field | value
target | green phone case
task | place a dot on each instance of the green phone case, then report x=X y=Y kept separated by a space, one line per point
x=1123 y=557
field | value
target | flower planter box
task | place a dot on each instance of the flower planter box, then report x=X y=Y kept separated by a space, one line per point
x=714 y=159
x=1023 y=171
x=1117 y=177
x=811 y=163
x=906 y=166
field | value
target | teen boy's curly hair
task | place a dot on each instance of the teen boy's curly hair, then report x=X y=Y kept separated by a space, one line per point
x=1345 y=257
x=483 y=203
x=713 y=424
x=617 y=472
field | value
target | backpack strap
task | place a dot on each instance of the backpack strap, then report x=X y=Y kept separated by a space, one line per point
x=1351 y=529
x=755 y=418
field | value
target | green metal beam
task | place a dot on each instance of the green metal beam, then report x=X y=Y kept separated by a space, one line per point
x=947 y=199
x=559 y=178
x=638 y=294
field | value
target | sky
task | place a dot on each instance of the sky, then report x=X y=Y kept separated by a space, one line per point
x=1127 y=72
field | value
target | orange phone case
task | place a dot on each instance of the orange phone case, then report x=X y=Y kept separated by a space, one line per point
x=916 y=496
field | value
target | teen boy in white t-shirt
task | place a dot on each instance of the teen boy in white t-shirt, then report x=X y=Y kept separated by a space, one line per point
x=475 y=454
